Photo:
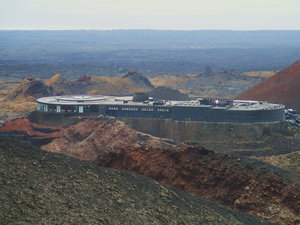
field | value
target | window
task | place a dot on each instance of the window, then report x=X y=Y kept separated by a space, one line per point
x=52 y=108
x=113 y=108
x=147 y=109
x=68 y=108
x=42 y=107
x=162 y=110
x=129 y=109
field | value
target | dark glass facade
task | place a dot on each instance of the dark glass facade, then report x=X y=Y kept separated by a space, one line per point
x=181 y=113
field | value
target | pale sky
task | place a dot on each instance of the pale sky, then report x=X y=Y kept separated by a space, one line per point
x=150 y=14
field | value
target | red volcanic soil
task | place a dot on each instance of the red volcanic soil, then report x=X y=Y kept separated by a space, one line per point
x=244 y=184
x=283 y=87
x=23 y=128
x=84 y=140
x=91 y=138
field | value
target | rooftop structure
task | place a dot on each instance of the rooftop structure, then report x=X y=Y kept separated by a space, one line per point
x=210 y=110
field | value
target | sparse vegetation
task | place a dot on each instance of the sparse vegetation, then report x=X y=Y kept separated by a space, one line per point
x=289 y=162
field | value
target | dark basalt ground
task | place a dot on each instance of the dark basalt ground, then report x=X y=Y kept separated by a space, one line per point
x=47 y=188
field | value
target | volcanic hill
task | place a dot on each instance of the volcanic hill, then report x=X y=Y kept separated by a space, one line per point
x=283 y=88
x=129 y=83
x=47 y=188
x=30 y=88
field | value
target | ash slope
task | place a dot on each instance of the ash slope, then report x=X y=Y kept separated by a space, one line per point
x=45 y=188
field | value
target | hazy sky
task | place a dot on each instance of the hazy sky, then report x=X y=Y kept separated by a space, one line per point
x=152 y=14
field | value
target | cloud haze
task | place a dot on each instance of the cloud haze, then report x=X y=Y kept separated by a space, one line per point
x=155 y=14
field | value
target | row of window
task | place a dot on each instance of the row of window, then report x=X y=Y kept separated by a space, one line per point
x=93 y=108
x=147 y=109
x=129 y=109
x=111 y=108
x=163 y=110
x=68 y=108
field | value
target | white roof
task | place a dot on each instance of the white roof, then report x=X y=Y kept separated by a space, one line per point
x=127 y=100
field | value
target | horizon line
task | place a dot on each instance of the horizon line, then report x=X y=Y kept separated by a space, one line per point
x=119 y=29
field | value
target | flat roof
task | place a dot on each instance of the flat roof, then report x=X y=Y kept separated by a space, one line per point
x=127 y=101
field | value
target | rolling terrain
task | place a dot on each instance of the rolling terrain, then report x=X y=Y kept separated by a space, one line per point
x=240 y=183
x=210 y=83
x=158 y=149
x=47 y=188
x=129 y=83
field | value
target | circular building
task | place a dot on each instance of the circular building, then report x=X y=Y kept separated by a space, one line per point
x=208 y=110
x=70 y=103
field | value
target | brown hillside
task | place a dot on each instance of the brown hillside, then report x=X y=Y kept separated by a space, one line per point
x=30 y=87
x=129 y=83
x=59 y=85
x=84 y=140
x=54 y=79
x=89 y=139
x=283 y=88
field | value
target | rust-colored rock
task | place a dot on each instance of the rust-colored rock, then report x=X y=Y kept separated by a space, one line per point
x=247 y=185
x=283 y=88
x=23 y=128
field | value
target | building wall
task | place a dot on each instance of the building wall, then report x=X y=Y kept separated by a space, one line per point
x=179 y=113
